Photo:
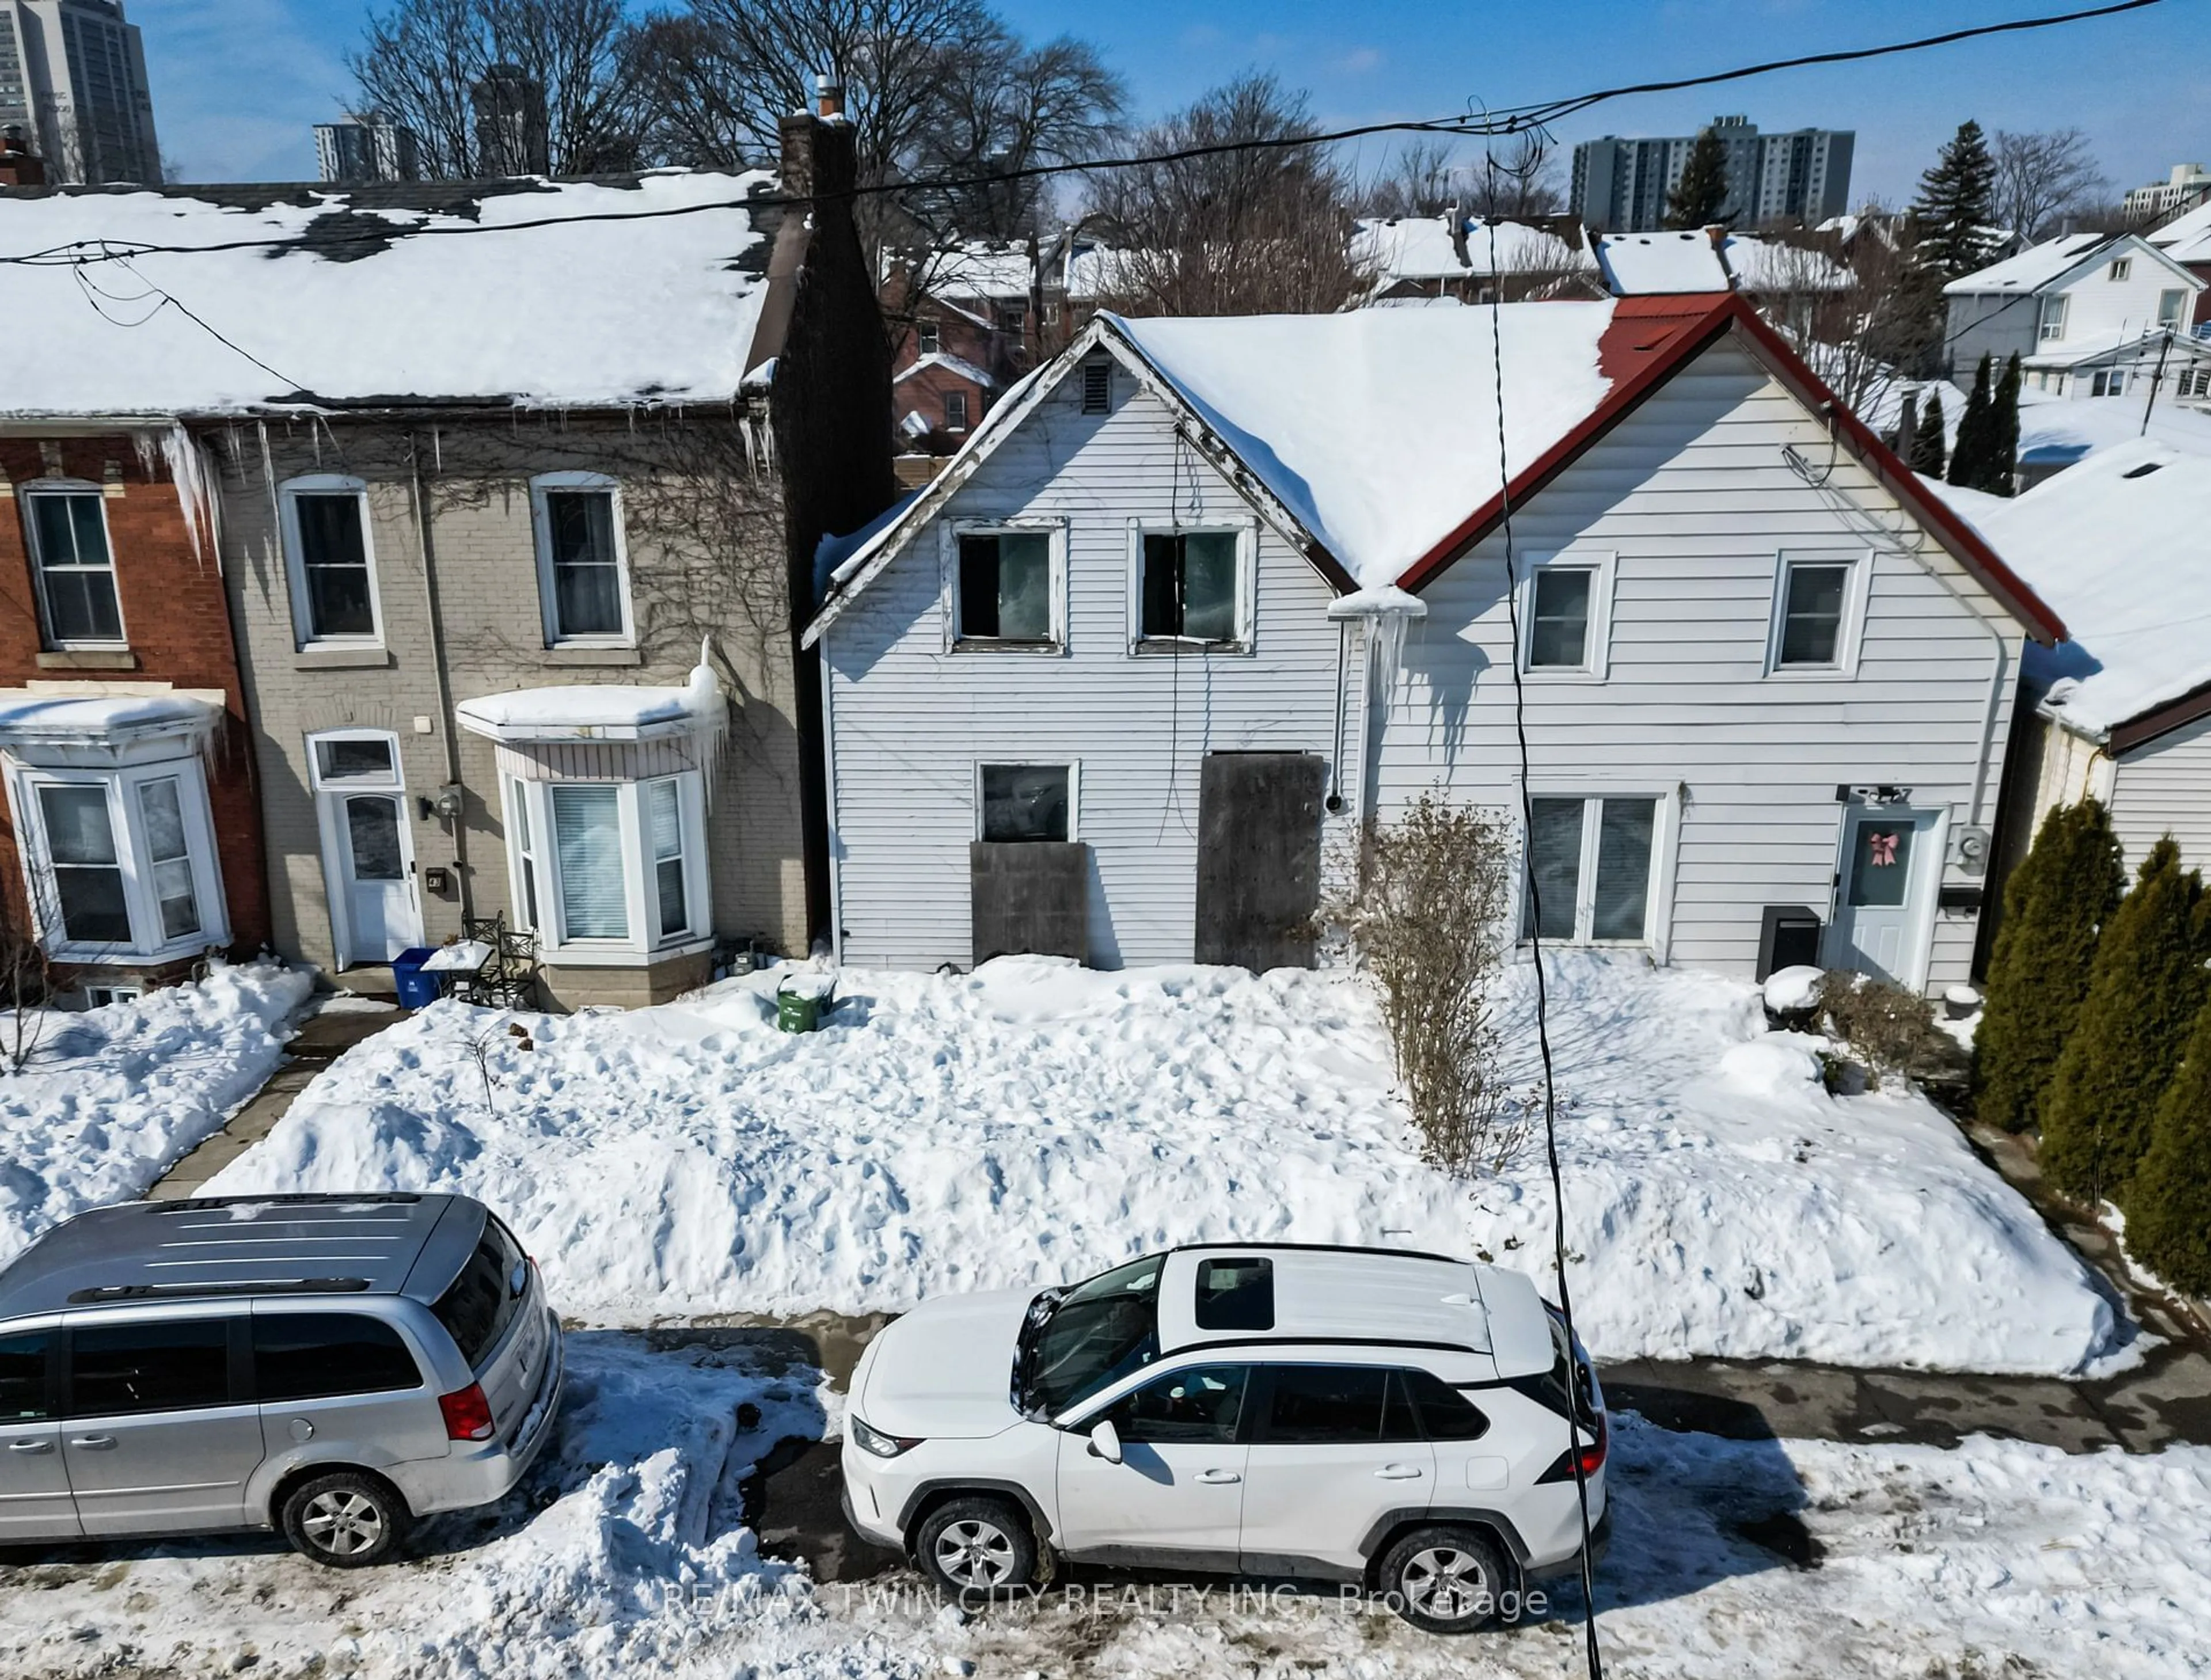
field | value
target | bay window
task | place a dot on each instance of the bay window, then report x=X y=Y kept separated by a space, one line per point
x=120 y=863
x=609 y=870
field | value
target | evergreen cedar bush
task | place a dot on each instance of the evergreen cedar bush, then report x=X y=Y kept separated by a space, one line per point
x=1956 y=207
x=1696 y=198
x=2169 y=1203
x=2003 y=443
x=2144 y=991
x=2061 y=896
x=1926 y=442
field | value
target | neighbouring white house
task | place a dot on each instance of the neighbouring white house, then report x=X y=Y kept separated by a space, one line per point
x=1474 y=260
x=1203 y=596
x=2088 y=315
x=2116 y=544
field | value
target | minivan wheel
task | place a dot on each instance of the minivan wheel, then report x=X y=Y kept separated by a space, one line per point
x=346 y=1520
x=977 y=1545
x=1444 y=1581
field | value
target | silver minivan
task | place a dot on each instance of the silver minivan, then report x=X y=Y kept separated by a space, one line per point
x=334 y=1367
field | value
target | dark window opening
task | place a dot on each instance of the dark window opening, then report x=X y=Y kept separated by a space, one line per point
x=1812 y=615
x=314 y=1355
x=76 y=575
x=1236 y=1294
x=171 y=1366
x=1005 y=586
x=1025 y=801
x=479 y=1305
x=1558 y=619
x=586 y=563
x=1190 y=585
x=334 y=562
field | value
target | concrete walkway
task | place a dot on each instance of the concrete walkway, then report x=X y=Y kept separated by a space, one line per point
x=322 y=1038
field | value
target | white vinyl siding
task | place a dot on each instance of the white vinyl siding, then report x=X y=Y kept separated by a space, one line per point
x=910 y=720
x=1693 y=495
x=2165 y=788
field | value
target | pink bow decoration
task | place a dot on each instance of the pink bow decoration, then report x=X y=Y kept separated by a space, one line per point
x=1880 y=850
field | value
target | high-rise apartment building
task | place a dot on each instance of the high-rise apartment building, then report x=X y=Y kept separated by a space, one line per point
x=1621 y=185
x=2188 y=186
x=73 y=77
x=366 y=147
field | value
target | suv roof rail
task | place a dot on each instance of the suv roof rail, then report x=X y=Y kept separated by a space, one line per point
x=309 y=1286
x=1266 y=1245
x=296 y=1198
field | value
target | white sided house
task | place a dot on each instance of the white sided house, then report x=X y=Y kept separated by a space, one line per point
x=1203 y=596
x=2116 y=543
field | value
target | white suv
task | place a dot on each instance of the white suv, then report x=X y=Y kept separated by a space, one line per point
x=1395 y=1419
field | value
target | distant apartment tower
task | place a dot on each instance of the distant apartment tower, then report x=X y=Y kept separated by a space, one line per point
x=1621 y=185
x=73 y=77
x=2186 y=187
x=366 y=147
x=513 y=137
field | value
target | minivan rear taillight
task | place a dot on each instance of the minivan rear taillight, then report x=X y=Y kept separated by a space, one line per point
x=468 y=1414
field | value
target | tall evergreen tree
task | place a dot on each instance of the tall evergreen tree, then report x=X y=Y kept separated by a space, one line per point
x=1955 y=210
x=1696 y=198
x=1928 y=446
x=2144 y=990
x=2168 y=1206
x=2004 y=426
x=1976 y=445
x=2055 y=904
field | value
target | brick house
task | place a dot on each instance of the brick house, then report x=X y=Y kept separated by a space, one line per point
x=133 y=844
x=512 y=576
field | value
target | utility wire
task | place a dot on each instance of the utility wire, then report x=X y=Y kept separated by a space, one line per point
x=1510 y=121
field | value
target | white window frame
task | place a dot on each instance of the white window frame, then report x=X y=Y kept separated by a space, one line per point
x=1849 y=636
x=1072 y=766
x=2122 y=268
x=319 y=783
x=1246 y=532
x=27 y=495
x=295 y=570
x=541 y=520
x=2050 y=325
x=965 y=420
x=948 y=535
x=643 y=944
x=134 y=858
x=928 y=336
x=1665 y=849
x=1596 y=654
x=2178 y=297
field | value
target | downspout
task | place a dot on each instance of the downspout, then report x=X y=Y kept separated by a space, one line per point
x=834 y=861
x=446 y=725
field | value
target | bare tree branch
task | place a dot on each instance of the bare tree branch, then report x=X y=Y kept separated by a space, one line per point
x=2040 y=177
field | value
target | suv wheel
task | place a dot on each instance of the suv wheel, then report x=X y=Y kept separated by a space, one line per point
x=346 y=1520
x=1444 y=1581
x=977 y=1545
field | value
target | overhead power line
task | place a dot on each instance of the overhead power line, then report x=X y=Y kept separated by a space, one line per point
x=1486 y=124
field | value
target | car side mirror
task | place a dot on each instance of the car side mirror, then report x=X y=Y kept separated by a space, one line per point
x=1105 y=1441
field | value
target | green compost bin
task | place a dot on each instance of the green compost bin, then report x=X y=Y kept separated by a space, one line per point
x=798 y=1006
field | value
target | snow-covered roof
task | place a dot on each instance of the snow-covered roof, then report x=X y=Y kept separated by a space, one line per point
x=33 y=717
x=2037 y=266
x=1644 y=264
x=1420 y=248
x=979 y=269
x=951 y=364
x=2116 y=544
x=596 y=712
x=579 y=312
x=2189 y=230
x=1760 y=264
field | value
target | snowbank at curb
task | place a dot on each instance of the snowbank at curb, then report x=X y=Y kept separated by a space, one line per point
x=116 y=1094
x=1037 y=1121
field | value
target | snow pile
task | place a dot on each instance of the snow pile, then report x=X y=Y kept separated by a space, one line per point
x=114 y=1096
x=659 y=309
x=1405 y=446
x=624 y=1552
x=1790 y=991
x=1037 y=1121
x=596 y=711
x=1420 y=248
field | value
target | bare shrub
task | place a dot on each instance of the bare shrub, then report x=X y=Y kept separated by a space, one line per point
x=1426 y=920
x=1890 y=1027
x=26 y=989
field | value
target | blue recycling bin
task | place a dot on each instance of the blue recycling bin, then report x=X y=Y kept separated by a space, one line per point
x=417 y=990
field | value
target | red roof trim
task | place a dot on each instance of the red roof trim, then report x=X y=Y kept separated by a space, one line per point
x=1666 y=358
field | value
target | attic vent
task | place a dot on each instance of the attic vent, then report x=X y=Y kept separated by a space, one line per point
x=1097 y=386
x=2142 y=471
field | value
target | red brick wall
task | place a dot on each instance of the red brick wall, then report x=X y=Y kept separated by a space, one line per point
x=174 y=613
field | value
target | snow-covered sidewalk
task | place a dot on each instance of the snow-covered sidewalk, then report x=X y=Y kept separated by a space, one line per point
x=113 y=1096
x=1037 y=1121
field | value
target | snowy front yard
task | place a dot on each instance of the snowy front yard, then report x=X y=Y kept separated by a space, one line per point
x=113 y=1096
x=1035 y=1121
x=625 y=1553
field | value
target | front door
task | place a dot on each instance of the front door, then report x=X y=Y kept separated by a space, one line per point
x=1258 y=858
x=1890 y=869
x=34 y=1492
x=1177 y=1492
x=156 y=1441
x=375 y=913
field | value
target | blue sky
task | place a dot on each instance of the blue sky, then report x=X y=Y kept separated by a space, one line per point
x=238 y=83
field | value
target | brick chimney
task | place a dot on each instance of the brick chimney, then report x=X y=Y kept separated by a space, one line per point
x=18 y=165
x=829 y=405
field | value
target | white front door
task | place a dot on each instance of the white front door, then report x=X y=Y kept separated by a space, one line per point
x=1891 y=866
x=373 y=912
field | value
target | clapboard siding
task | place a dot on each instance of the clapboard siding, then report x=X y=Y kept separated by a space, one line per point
x=910 y=721
x=1693 y=496
x=2165 y=788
